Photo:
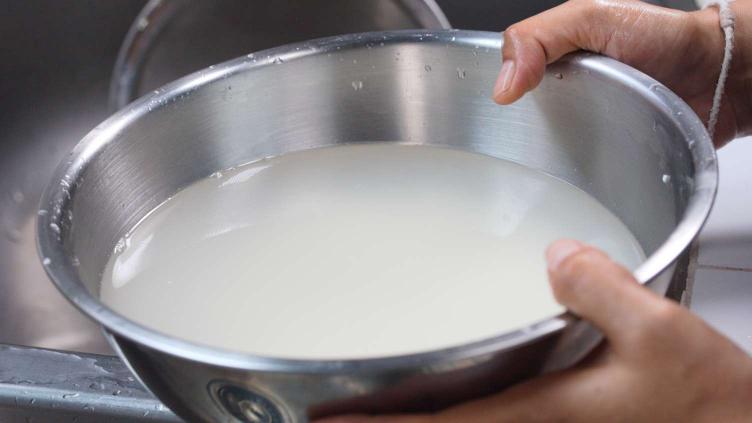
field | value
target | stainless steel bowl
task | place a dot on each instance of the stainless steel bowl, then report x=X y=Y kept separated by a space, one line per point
x=594 y=122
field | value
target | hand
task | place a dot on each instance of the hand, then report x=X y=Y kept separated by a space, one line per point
x=661 y=363
x=680 y=49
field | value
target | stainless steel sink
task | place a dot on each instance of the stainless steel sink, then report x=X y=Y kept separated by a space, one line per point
x=58 y=57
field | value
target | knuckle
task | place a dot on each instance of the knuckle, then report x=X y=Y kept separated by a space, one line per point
x=665 y=314
x=594 y=9
x=660 y=320
x=585 y=4
x=574 y=273
x=580 y=264
x=514 y=31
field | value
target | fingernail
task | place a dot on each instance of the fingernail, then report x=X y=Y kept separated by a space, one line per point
x=557 y=252
x=504 y=82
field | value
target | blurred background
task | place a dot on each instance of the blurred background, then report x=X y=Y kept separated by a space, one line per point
x=57 y=61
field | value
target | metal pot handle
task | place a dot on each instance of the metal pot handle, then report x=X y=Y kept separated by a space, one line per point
x=157 y=14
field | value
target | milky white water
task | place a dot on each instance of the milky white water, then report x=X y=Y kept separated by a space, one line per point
x=355 y=251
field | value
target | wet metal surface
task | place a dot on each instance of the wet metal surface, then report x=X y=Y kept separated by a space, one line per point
x=45 y=386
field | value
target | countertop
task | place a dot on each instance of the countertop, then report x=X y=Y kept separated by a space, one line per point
x=722 y=292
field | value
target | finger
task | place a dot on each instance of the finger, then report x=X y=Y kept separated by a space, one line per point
x=417 y=418
x=540 y=400
x=533 y=43
x=555 y=397
x=591 y=285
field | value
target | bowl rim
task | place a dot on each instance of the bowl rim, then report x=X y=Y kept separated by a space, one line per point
x=62 y=271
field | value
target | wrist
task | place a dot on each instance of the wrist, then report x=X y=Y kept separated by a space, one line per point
x=711 y=42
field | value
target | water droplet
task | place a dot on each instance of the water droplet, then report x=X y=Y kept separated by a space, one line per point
x=55 y=228
x=41 y=212
x=46 y=261
x=142 y=24
x=427 y=68
x=75 y=261
x=251 y=56
x=119 y=246
x=558 y=76
x=461 y=73
x=73 y=395
x=475 y=53
x=278 y=60
x=357 y=85
x=216 y=175
x=666 y=178
x=453 y=38
x=117 y=392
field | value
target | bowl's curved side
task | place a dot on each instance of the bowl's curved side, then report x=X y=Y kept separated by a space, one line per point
x=190 y=376
x=199 y=391
x=55 y=223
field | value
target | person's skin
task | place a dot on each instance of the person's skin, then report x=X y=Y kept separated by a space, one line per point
x=660 y=362
x=682 y=50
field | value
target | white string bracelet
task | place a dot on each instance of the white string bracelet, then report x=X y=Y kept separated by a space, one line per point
x=727 y=21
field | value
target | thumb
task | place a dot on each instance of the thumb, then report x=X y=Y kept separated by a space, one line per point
x=542 y=39
x=591 y=285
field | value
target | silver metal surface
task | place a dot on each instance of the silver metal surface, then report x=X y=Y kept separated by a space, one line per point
x=594 y=122
x=55 y=84
x=157 y=14
x=39 y=385
x=136 y=47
